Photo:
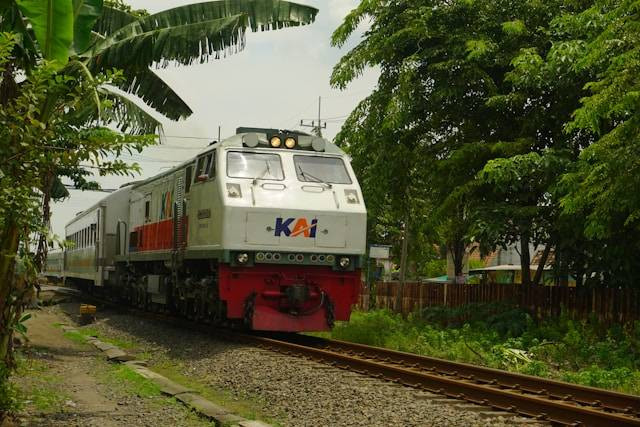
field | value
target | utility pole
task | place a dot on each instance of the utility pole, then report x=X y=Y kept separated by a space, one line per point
x=317 y=128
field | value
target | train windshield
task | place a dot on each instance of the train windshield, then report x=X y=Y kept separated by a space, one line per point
x=254 y=166
x=328 y=170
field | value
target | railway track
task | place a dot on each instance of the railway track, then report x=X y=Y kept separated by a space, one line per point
x=539 y=398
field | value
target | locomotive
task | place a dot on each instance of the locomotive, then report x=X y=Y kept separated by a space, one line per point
x=265 y=228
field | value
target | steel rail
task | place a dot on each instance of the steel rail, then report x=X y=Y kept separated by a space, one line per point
x=499 y=396
x=588 y=396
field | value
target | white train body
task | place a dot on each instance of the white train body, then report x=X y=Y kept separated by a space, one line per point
x=269 y=234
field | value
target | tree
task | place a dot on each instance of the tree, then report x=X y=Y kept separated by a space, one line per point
x=31 y=149
x=600 y=191
x=445 y=91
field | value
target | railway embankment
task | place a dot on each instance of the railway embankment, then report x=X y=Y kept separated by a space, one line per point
x=287 y=390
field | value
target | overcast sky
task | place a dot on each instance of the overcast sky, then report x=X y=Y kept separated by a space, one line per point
x=274 y=82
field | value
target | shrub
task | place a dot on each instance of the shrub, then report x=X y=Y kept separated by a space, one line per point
x=9 y=401
x=502 y=336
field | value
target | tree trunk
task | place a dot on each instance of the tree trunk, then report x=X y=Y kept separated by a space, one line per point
x=458 y=260
x=403 y=266
x=543 y=261
x=525 y=260
x=42 y=248
x=8 y=251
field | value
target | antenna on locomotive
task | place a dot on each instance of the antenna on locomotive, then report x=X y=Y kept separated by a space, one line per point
x=214 y=141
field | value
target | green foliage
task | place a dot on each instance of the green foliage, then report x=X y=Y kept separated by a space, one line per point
x=514 y=28
x=501 y=122
x=52 y=22
x=85 y=15
x=20 y=326
x=9 y=396
x=504 y=337
x=435 y=268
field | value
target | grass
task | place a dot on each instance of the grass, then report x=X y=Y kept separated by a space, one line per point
x=125 y=378
x=504 y=337
x=39 y=388
x=76 y=337
x=81 y=334
x=244 y=408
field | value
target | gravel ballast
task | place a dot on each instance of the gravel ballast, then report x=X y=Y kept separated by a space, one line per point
x=294 y=391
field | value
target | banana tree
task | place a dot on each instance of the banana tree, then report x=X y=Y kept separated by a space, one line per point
x=90 y=36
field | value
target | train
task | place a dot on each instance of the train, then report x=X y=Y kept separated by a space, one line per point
x=265 y=229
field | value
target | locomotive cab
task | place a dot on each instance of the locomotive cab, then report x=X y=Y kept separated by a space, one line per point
x=292 y=227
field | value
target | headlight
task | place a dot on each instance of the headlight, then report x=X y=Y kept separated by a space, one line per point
x=352 y=197
x=344 y=262
x=234 y=191
x=242 y=258
x=290 y=142
x=276 y=141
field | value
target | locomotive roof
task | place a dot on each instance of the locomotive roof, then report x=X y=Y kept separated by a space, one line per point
x=237 y=141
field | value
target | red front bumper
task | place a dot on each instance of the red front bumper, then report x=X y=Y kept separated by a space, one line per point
x=260 y=295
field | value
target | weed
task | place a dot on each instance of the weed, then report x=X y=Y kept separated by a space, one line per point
x=126 y=378
x=76 y=337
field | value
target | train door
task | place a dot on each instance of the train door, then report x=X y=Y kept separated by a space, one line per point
x=179 y=232
x=97 y=236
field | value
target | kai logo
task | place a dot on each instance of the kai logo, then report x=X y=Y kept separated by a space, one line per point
x=292 y=227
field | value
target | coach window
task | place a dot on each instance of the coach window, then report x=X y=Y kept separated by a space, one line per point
x=147 y=210
x=211 y=165
x=200 y=167
x=188 y=178
x=93 y=233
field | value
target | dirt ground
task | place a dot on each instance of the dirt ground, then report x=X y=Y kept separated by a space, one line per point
x=65 y=382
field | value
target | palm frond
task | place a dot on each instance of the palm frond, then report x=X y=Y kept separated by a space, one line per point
x=148 y=86
x=78 y=69
x=262 y=14
x=184 y=44
x=127 y=115
x=112 y=20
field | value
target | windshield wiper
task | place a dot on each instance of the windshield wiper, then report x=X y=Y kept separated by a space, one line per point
x=316 y=179
x=267 y=170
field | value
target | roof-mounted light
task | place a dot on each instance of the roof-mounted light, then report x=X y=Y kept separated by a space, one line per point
x=275 y=141
x=290 y=142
